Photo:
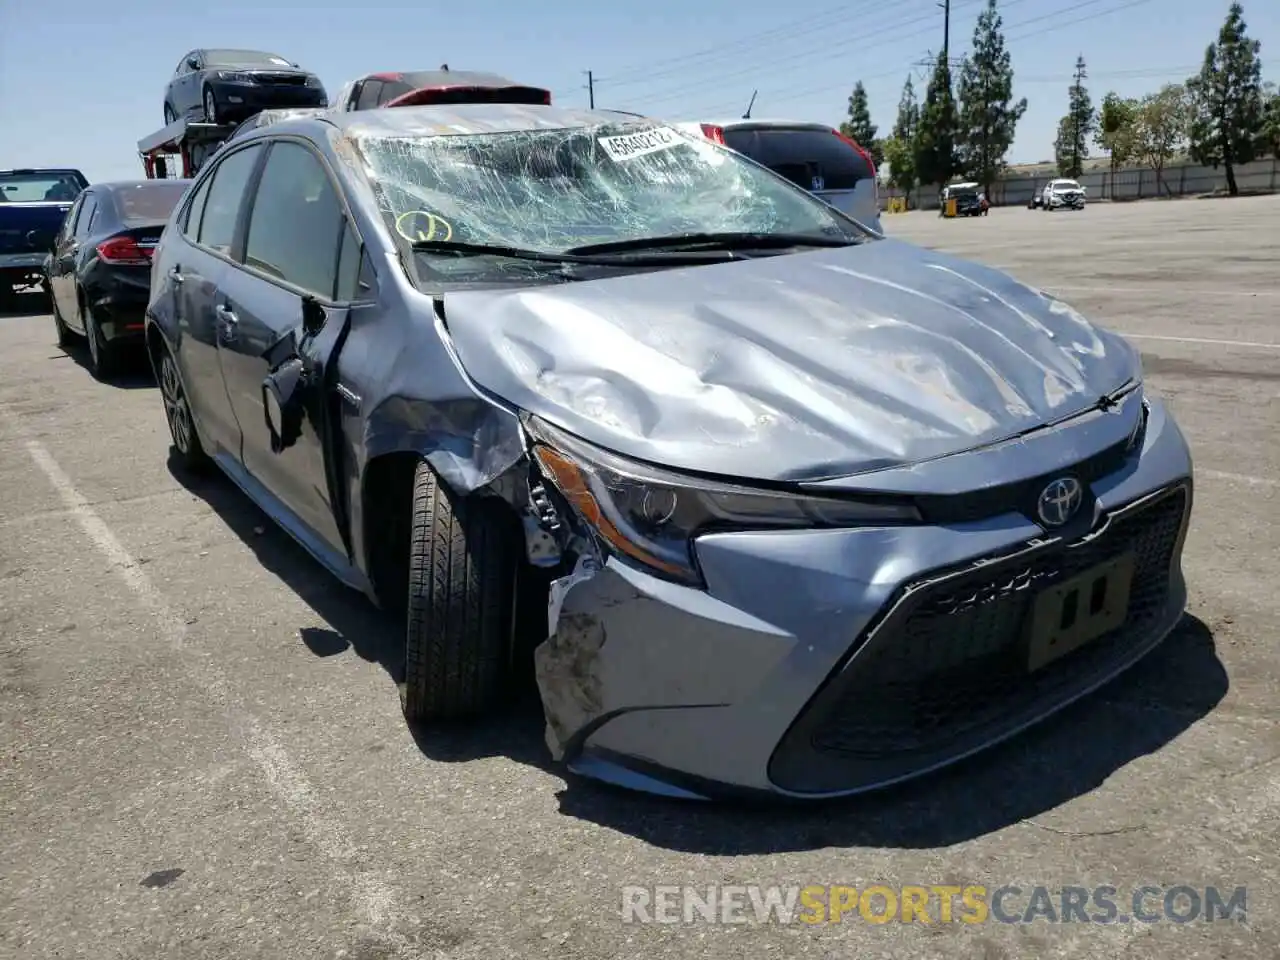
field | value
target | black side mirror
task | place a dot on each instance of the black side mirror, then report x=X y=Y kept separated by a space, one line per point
x=282 y=403
x=193 y=63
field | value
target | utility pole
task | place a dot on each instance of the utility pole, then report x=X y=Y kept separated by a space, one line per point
x=946 y=29
x=591 y=90
x=1075 y=118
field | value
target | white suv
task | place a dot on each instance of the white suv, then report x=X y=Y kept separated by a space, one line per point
x=1062 y=194
x=814 y=156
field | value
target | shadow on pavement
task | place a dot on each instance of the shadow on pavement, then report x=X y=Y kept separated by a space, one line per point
x=30 y=304
x=354 y=623
x=1066 y=757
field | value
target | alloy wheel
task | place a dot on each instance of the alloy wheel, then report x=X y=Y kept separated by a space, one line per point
x=175 y=405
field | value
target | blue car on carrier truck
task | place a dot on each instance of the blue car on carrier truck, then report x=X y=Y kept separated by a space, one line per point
x=33 y=204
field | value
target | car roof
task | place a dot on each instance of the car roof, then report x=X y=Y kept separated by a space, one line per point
x=444 y=78
x=111 y=185
x=768 y=122
x=447 y=120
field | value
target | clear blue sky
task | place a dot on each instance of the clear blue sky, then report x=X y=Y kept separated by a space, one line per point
x=81 y=82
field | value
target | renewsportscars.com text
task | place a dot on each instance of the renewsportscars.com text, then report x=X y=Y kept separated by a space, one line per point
x=933 y=904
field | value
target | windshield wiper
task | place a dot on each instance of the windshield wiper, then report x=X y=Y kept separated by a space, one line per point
x=586 y=256
x=494 y=250
x=717 y=241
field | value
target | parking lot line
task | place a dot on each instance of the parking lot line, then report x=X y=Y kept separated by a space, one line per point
x=1222 y=343
x=372 y=897
x=1239 y=478
x=1163 y=291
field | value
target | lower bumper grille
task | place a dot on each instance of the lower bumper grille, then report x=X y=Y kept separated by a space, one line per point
x=946 y=670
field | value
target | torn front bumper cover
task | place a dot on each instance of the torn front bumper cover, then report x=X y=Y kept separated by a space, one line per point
x=818 y=663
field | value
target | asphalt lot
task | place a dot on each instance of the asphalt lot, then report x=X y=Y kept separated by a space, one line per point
x=202 y=754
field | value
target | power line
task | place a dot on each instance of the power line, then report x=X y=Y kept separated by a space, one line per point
x=822 y=21
x=834 y=51
x=788 y=93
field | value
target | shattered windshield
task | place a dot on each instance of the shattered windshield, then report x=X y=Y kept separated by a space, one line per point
x=552 y=190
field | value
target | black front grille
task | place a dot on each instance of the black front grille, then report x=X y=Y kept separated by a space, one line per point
x=947 y=668
x=281 y=79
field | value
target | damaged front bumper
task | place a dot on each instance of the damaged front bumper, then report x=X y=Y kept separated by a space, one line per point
x=818 y=663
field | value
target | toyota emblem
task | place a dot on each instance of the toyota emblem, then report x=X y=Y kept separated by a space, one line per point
x=1059 y=501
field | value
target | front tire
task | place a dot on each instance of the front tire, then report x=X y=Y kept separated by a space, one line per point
x=210 y=106
x=60 y=328
x=463 y=583
x=170 y=115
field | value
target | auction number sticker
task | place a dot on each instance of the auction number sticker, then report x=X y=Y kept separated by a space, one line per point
x=628 y=146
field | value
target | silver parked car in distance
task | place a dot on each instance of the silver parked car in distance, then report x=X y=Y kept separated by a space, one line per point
x=773 y=503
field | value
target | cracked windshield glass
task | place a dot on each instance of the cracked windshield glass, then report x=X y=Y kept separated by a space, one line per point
x=552 y=190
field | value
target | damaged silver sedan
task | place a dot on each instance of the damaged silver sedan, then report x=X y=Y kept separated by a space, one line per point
x=776 y=504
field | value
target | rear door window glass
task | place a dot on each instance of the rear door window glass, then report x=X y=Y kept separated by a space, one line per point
x=812 y=159
x=222 y=207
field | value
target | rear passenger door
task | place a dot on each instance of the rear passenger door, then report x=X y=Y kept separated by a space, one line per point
x=817 y=160
x=287 y=305
x=197 y=274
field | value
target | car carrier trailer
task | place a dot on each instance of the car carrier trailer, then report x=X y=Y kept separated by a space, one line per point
x=181 y=148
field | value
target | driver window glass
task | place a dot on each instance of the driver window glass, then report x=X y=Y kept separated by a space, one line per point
x=296 y=224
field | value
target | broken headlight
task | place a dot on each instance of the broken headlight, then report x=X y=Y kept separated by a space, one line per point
x=651 y=516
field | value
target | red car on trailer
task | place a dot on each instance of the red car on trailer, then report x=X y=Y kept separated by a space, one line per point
x=420 y=88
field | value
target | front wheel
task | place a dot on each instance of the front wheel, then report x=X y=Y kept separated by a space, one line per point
x=463 y=582
x=60 y=328
x=210 y=106
x=170 y=115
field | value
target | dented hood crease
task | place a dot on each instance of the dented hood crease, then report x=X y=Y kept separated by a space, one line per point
x=791 y=368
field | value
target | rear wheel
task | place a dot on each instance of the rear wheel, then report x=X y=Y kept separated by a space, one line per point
x=177 y=410
x=103 y=357
x=464 y=568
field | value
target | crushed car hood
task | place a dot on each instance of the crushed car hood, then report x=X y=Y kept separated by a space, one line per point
x=790 y=368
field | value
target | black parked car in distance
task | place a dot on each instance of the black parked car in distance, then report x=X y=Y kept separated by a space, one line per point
x=99 y=269
x=227 y=86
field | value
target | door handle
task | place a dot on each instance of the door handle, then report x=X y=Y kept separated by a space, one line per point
x=176 y=275
x=227 y=321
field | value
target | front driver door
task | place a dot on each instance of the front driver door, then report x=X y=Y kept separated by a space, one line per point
x=289 y=302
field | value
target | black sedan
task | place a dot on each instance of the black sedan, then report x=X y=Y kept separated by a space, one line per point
x=227 y=86
x=99 y=268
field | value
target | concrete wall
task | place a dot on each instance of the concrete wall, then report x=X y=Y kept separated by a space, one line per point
x=1134 y=183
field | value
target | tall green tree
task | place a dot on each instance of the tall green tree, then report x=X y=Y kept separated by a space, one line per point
x=1226 y=98
x=900 y=148
x=988 y=114
x=935 y=140
x=1160 y=129
x=1071 y=148
x=1115 y=132
x=858 y=127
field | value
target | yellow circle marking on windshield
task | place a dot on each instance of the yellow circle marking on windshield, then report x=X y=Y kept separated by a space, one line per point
x=428 y=226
